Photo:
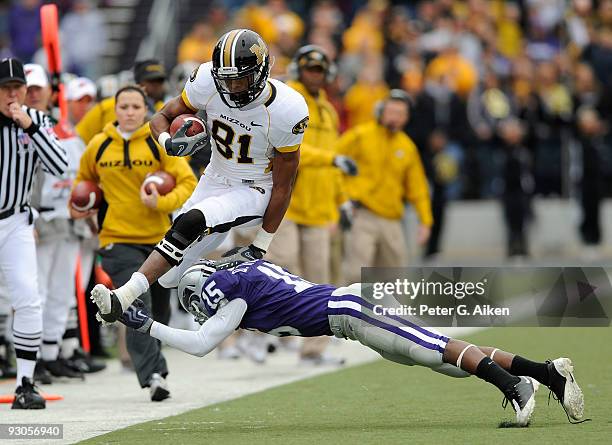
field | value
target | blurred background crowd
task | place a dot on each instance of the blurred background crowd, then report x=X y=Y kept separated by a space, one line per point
x=510 y=99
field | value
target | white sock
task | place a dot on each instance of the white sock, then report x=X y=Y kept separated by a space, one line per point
x=134 y=288
x=49 y=351
x=25 y=368
x=69 y=345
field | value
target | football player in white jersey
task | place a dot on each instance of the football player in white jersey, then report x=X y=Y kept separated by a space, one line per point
x=254 y=129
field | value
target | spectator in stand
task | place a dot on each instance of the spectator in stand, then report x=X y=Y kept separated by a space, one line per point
x=24 y=28
x=592 y=146
x=552 y=114
x=197 y=46
x=150 y=75
x=84 y=38
x=517 y=187
x=361 y=97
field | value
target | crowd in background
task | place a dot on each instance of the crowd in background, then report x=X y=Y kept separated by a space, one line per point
x=510 y=99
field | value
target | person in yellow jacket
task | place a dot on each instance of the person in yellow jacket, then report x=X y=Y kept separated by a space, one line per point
x=390 y=173
x=302 y=242
x=131 y=220
x=150 y=75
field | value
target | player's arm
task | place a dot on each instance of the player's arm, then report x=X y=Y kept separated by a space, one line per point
x=160 y=122
x=179 y=144
x=284 y=171
x=216 y=329
x=48 y=148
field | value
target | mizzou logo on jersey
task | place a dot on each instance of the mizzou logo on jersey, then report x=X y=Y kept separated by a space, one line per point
x=122 y=163
x=300 y=127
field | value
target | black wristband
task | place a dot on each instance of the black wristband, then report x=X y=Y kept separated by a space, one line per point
x=33 y=128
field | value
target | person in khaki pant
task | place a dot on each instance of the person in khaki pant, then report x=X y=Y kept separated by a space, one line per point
x=302 y=242
x=390 y=173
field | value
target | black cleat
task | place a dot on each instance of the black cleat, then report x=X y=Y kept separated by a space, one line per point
x=41 y=374
x=158 y=388
x=7 y=371
x=83 y=362
x=61 y=368
x=27 y=396
x=522 y=399
x=564 y=387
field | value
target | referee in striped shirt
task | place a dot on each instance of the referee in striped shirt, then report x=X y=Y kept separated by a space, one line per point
x=27 y=141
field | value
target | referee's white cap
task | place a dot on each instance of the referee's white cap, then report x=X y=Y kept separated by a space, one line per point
x=35 y=75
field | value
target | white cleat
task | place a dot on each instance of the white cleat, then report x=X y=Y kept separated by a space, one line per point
x=522 y=399
x=565 y=388
x=100 y=295
x=107 y=302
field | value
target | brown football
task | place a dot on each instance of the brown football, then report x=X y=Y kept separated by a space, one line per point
x=86 y=195
x=196 y=127
x=164 y=182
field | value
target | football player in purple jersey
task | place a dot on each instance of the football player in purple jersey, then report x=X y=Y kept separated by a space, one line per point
x=260 y=295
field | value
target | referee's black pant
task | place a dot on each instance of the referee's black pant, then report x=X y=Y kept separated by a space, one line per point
x=120 y=261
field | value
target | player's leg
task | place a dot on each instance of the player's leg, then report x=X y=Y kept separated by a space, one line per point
x=223 y=207
x=119 y=262
x=557 y=375
x=392 y=244
x=196 y=251
x=60 y=298
x=361 y=243
x=285 y=247
x=18 y=265
x=405 y=342
x=315 y=253
x=45 y=249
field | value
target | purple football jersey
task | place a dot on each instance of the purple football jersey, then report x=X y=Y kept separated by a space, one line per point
x=279 y=303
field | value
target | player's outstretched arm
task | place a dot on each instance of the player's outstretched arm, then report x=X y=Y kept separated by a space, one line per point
x=216 y=329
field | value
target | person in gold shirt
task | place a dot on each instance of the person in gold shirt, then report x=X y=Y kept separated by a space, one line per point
x=302 y=242
x=131 y=220
x=361 y=97
x=390 y=173
x=150 y=75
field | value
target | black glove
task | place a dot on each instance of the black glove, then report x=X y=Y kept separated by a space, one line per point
x=347 y=215
x=137 y=317
x=182 y=145
x=249 y=253
x=347 y=165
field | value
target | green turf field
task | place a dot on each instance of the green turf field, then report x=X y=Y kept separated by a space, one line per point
x=383 y=403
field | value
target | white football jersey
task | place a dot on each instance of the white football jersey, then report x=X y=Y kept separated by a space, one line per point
x=244 y=139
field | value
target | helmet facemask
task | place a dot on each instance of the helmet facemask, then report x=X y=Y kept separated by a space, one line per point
x=190 y=290
x=240 y=70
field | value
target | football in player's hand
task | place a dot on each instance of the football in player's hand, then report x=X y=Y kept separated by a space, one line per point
x=164 y=182
x=86 y=195
x=197 y=125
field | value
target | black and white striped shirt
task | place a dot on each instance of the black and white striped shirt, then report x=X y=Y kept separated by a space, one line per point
x=21 y=152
